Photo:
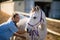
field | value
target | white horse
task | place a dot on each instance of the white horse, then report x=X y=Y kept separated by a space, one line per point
x=36 y=25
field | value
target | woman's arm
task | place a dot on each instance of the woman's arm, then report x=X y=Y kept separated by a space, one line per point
x=22 y=32
x=19 y=35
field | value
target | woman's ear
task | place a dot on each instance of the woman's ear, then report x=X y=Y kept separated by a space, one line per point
x=12 y=18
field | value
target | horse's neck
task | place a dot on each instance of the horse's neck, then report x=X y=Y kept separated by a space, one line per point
x=43 y=26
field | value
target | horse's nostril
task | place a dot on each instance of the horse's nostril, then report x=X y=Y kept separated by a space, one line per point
x=27 y=30
x=34 y=17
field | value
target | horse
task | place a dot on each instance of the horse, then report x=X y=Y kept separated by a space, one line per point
x=36 y=25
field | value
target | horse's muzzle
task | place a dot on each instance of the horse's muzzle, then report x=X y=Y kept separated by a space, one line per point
x=28 y=30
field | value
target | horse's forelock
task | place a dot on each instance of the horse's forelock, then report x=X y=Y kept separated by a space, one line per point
x=38 y=11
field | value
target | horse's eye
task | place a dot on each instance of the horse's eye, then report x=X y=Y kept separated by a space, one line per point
x=34 y=17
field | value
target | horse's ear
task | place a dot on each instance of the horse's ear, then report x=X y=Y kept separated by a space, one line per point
x=37 y=8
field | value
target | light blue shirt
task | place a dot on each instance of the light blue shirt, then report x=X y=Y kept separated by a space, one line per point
x=7 y=30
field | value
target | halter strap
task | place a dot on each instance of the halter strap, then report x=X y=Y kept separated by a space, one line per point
x=41 y=17
x=38 y=22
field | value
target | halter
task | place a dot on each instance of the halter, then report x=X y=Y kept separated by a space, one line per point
x=38 y=21
x=35 y=31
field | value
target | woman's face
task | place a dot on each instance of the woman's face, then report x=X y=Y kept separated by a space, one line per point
x=17 y=18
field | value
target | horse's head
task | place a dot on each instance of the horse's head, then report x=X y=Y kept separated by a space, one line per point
x=34 y=20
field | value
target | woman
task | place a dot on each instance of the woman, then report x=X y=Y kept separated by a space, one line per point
x=9 y=28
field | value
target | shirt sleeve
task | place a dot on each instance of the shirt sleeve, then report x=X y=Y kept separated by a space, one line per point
x=13 y=28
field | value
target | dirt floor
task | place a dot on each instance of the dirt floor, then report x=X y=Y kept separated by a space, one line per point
x=51 y=25
x=52 y=37
x=3 y=17
x=55 y=26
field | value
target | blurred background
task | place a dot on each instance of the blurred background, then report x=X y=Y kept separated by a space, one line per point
x=50 y=7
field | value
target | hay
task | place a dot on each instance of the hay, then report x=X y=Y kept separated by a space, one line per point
x=3 y=17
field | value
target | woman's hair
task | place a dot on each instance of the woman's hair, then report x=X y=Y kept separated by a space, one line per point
x=14 y=15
